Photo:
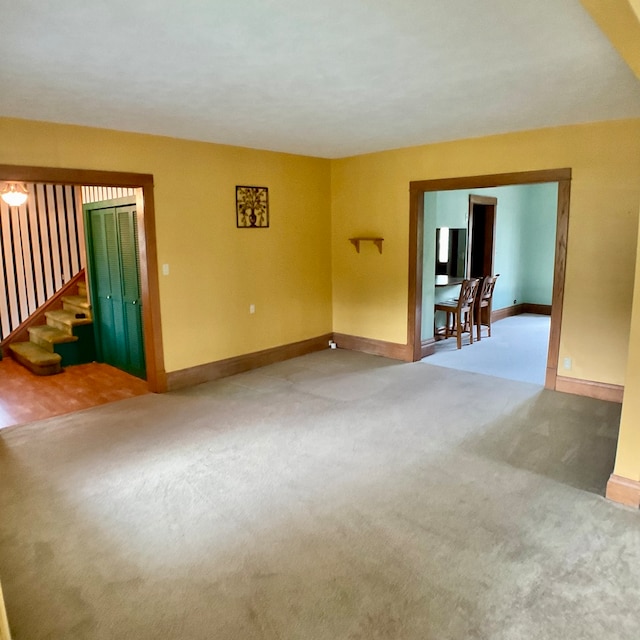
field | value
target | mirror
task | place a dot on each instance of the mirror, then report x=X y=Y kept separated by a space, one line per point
x=451 y=252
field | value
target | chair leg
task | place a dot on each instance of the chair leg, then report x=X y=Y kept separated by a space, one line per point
x=479 y=324
x=459 y=331
x=471 y=314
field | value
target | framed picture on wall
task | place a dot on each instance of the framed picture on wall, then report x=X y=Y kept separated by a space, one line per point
x=252 y=207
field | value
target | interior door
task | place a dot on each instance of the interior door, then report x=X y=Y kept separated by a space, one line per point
x=481 y=235
x=114 y=272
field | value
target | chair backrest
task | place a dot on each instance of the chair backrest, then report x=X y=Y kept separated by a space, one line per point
x=468 y=291
x=486 y=292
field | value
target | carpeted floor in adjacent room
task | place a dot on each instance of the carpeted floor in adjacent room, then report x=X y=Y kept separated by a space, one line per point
x=517 y=350
x=334 y=496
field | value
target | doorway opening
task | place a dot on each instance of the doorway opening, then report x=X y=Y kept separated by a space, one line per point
x=508 y=234
x=144 y=238
x=485 y=238
x=481 y=234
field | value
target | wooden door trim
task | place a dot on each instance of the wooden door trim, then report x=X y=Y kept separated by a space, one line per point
x=416 y=258
x=559 y=270
x=154 y=354
x=418 y=188
x=492 y=180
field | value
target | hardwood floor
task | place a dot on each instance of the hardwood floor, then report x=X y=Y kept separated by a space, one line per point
x=25 y=397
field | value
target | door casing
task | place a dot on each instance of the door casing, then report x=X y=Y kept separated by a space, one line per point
x=416 y=349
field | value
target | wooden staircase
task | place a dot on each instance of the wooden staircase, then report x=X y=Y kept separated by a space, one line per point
x=66 y=338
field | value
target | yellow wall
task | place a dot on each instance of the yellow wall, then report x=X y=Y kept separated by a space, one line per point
x=216 y=270
x=370 y=196
x=4 y=623
x=620 y=21
x=628 y=456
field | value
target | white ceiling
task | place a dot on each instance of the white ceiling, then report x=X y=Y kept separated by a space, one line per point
x=328 y=78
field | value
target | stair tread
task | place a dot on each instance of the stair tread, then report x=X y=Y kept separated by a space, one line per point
x=51 y=334
x=67 y=317
x=78 y=301
x=34 y=353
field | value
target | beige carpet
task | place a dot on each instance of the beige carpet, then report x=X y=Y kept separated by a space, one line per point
x=335 y=496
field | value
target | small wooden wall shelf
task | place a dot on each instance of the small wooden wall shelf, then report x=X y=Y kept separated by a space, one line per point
x=356 y=242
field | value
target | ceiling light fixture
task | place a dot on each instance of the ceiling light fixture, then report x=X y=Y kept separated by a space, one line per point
x=14 y=194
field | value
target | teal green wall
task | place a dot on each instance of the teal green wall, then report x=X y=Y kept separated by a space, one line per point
x=538 y=253
x=524 y=243
x=452 y=209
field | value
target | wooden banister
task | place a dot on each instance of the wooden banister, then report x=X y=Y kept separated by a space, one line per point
x=21 y=333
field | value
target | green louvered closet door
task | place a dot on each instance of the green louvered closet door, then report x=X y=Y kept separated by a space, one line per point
x=112 y=248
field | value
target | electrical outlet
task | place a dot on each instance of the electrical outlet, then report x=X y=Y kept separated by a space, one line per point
x=165 y=269
x=252 y=308
x=567 y=364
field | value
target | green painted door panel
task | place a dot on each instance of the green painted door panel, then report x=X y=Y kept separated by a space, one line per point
x=112 y=247
x=130 y=279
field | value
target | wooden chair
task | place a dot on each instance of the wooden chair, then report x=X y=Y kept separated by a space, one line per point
x=460 y=312
x=483 y=302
